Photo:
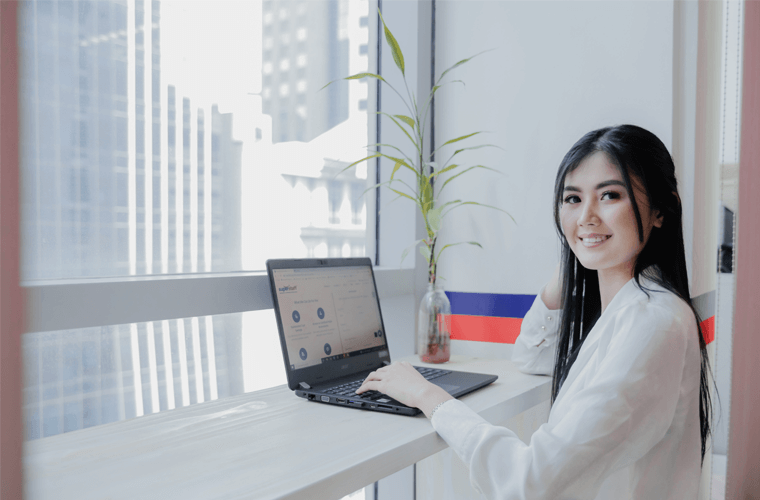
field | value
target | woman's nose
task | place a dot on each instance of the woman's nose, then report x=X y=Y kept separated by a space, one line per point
x=588 y=215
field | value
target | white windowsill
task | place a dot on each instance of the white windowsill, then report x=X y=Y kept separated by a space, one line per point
x=83 y=303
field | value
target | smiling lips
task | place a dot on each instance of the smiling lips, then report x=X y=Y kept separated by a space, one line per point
x=594 y=240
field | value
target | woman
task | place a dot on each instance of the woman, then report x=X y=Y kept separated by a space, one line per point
x=631 y=409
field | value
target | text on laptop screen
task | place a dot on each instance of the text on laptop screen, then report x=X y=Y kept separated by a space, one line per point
x=328 y=313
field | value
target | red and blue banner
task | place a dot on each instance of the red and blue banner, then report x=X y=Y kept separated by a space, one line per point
x=488 y=317
x=497 y=317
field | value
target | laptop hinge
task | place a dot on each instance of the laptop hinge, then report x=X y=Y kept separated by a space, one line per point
x=304 y=385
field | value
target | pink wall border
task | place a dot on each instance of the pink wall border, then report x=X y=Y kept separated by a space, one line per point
x=743 y=472
x=11 y=302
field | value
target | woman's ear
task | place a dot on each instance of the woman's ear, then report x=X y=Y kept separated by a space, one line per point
x=658 y=219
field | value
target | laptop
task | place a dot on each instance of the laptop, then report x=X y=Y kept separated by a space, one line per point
x=332 y=334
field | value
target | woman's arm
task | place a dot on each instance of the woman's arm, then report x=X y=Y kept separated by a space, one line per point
x=551 y=293
x=535 y=346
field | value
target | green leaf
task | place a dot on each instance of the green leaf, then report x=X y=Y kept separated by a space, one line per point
x=454 y=177
x=398 y=56
x=473 y=147
x=401 y=193
x=447 y=204
x=411 y=189
x=458 y=139
x=464 y=172
x=364 y=75
x=426 y=195
x=401 y=127
x=395 y=168
x=436 y=174
x=425 y=251
x=475 y=243
x=408 y=160
x=406 y=120
x=456 y=65
x=434 y=219
x=398 y=160
x=481 y=205
x=406 y=250
x=432 y=94
x=357 y=77
x=357 y=162
x=375 y=187
x=380 y=211
x=477 y=147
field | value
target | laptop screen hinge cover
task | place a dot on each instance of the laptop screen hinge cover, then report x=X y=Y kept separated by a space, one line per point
x=304 y=385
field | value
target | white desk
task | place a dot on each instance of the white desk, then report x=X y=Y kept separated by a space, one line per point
x=268 y=444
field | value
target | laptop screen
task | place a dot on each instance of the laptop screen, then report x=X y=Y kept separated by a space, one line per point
x=328 y=313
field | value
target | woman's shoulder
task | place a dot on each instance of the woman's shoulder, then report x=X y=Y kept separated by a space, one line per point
x=656 y=306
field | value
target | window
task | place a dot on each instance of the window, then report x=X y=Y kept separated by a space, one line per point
x=136 y=162
x=138 y=114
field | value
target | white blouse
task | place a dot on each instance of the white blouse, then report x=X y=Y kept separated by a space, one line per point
x=625 y=424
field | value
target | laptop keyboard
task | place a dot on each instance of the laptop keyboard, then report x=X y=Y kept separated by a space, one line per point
x=349 y=388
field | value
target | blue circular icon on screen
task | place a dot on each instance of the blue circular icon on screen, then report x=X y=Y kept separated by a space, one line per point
x=296 y=316
x=328 y=349
x=302 y=353
x=321 y=313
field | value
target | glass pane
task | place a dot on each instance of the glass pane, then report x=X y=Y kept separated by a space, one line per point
x=79 y=379
x=176 y=137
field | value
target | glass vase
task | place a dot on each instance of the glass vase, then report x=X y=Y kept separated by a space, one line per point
x=434 y=326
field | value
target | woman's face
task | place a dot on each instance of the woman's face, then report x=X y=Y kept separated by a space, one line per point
x=598 y=219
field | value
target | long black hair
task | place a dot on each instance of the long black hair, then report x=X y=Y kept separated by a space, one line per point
x=639 y=153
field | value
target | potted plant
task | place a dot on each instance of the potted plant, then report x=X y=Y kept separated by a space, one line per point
x=433 y=327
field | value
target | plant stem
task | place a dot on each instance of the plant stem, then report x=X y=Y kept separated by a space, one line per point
x=432 y=264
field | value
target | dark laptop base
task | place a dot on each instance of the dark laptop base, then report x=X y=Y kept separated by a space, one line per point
x=455 y=383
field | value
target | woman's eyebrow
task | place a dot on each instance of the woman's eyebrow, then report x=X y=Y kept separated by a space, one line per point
x=601 y=185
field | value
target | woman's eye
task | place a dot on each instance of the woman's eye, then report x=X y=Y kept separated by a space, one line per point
x=572 y=199
x=611 y=195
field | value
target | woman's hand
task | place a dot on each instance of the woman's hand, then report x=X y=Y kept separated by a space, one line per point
x=403 y=382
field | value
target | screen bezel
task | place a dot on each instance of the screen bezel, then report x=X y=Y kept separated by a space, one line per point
x=318 y=374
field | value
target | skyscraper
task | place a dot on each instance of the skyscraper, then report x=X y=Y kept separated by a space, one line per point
x=122 y=174
x=312 y=49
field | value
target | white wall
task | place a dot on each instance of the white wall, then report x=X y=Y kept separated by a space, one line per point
x=559 y=70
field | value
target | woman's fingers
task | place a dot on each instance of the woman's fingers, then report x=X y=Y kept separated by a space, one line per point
x=368 y=386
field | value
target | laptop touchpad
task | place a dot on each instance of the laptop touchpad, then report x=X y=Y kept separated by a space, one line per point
x=448 y=387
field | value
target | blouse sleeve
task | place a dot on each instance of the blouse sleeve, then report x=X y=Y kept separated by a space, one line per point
x=534 y=348
x=622 y=412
